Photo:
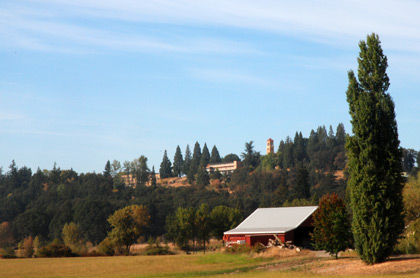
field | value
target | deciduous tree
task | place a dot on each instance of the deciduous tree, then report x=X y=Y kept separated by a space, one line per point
x=332 y=231
x=224 y=218
x=127 y=225
x=203 y=224
x=73 y=238
x=180 y=227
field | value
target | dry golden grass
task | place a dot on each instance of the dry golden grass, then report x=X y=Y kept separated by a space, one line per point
x=272 y=263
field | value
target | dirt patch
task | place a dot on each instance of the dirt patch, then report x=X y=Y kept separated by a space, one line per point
x=174 y=182
x=354 y=266
x=319 y=262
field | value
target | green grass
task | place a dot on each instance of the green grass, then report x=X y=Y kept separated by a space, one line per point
x=131 y=266
x=198 y=265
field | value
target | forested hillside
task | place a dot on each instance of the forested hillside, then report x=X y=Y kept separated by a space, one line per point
x=40 y=203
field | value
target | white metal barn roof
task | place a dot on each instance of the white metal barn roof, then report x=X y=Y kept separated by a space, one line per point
x=273 y=220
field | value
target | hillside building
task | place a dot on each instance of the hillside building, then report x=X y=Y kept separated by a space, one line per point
x=223 y=167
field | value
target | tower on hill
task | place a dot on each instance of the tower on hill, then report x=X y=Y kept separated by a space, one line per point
x=270 y=146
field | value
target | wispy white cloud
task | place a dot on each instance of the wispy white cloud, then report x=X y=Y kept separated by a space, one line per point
x=38 y=30
x=6 y=116
x=223 y=75
x=44 y=23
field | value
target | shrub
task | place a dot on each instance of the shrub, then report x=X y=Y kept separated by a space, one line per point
x=154 y=248
x=238 y=248
x=107 y=247
x=7 y=253
x=72 y=237
x=53 y=250
x=258 y=248
x=410 y=243
x=26 y=248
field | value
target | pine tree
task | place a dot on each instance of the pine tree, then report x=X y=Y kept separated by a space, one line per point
x=288 y=159
x=140 y=170
x=301 y=188
x=251 y=158
x=107 y=170
x=374 y=157
x=195 y=162
x=203 y=177
x=153 y=177
x=165 y=170
x=187 y=160
x=205 y=156
x=280 y=154
x=299 y=149
x=215 y=156
x=178 y=162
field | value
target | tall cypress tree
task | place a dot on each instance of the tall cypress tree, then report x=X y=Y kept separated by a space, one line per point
x=374 y=157
x=178 y=162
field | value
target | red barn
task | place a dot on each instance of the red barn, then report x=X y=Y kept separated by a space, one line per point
x=287 y=223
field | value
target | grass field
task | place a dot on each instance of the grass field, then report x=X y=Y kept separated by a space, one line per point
x=199 y=265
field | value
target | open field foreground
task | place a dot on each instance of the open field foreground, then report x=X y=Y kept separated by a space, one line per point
x=274 y=263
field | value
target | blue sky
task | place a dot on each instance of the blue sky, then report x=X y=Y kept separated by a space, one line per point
x=86 y=81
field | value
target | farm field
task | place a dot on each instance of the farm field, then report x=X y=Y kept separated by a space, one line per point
x=283 y=264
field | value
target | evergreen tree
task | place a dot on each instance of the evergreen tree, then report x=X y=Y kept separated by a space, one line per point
x=299 y=149
x=408 y=159
x=251 y=158
x=375 y=181
x=178 y=163
x=215 y=156
x=107 y=170
x=165 y=170
x=141 y=170
x=280 y=154
x=187 y=160
x=340 y=135
x=195 y=162
x=153 y=177
x=288 y=159
x=203 y=178
x=301 y=187
x=205 y=156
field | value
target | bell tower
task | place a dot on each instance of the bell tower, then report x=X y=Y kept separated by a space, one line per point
x=270 y=146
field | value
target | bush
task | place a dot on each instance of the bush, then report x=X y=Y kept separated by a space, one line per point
x=238 y=248
x=258 y=248
x=7 y=253
x=72 y=237
x=107 y=247
x=26 y=248
x=53 y=250
x=154 y=248
x=410 y=243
